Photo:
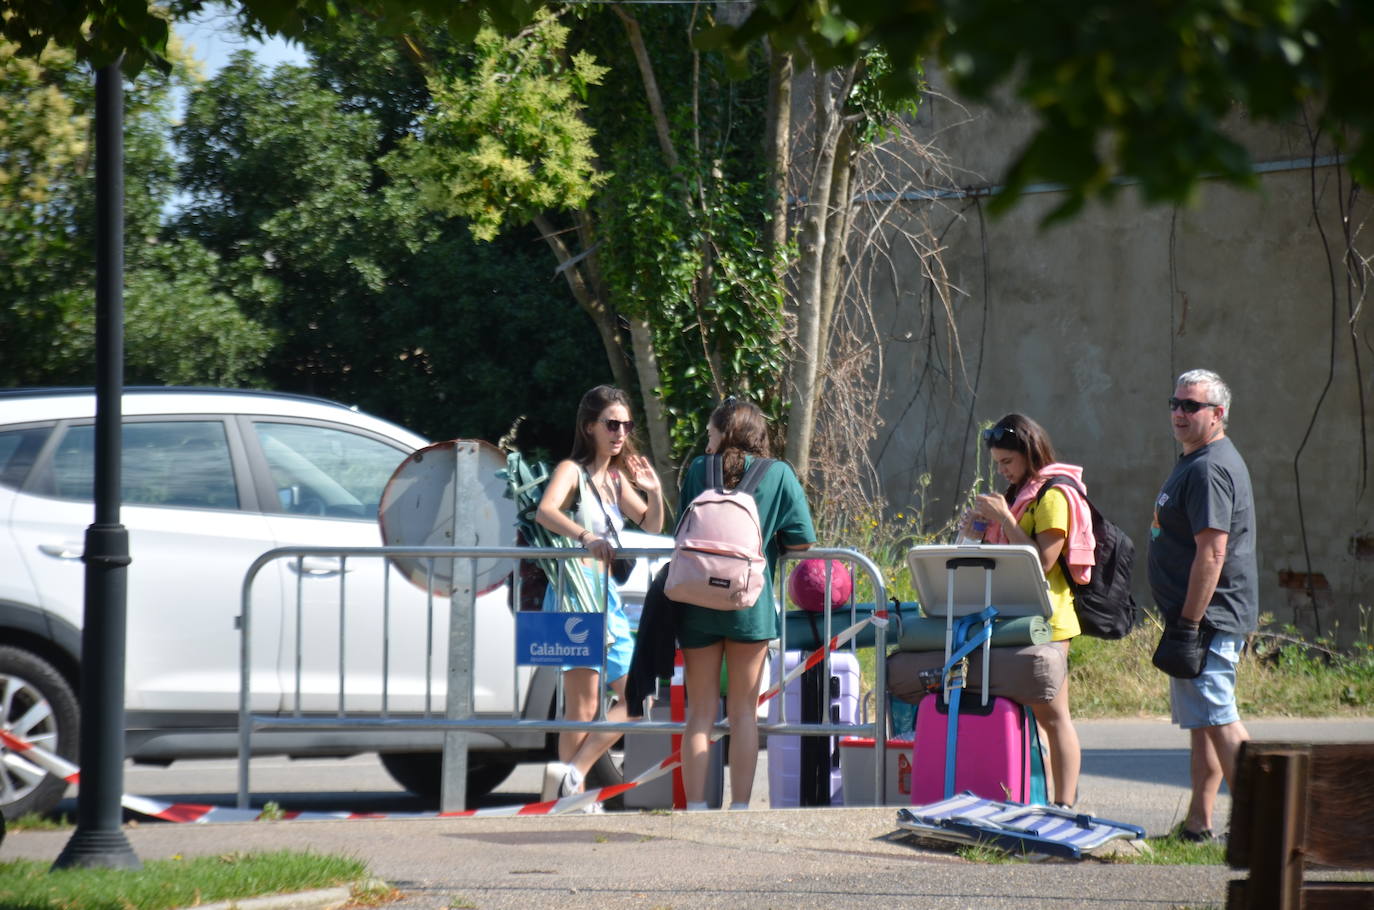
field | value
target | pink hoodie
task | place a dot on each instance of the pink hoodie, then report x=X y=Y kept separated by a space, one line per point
x=1080 y=544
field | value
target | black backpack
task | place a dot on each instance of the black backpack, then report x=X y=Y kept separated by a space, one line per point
x=1105 y=606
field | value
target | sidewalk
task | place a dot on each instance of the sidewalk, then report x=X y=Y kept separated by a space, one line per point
x=1134 y=771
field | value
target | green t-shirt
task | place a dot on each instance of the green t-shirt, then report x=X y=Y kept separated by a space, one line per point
x=786 y=521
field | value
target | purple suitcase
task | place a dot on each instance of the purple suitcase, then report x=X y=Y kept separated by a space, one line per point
x=785 y=752
x=992 y=755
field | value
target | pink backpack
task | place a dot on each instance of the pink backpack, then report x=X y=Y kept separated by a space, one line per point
x=718 y=559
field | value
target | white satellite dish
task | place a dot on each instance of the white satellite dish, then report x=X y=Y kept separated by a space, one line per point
x=428 y=496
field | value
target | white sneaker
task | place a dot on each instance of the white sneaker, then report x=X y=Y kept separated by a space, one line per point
x=555 y=772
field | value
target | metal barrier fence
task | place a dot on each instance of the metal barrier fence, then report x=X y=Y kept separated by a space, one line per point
x=458 y=719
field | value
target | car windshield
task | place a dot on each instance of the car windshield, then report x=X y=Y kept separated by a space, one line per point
x=322 y=471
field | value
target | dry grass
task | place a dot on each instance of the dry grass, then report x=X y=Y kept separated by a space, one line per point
x=1277 y=678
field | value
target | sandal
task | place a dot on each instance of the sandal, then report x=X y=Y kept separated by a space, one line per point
x=1205 y=836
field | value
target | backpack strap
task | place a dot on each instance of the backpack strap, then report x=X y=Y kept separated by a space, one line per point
x=1055 y=480
x=753 y=475
x=1063 y=560
x=715 y=473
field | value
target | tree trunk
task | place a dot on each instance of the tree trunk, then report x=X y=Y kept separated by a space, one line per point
x=778 y=141
x=651 y=92
x=836 y=230
x=660 y=443
x=641 y=336
x=806 y=356
x=590 y=296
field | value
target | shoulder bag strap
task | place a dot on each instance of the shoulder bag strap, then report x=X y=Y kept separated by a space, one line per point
x=610 y=525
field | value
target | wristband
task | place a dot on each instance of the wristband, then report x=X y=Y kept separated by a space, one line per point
x=582 y=538
x=1188 y=623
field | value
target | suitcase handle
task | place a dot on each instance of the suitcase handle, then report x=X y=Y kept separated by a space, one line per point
x=975 y=562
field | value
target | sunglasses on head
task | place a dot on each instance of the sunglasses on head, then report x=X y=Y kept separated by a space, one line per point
x=1190 y=406
x=615 y=426
x=993 y=435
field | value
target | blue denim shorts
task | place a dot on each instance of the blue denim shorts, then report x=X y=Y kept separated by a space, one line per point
x=1209 y=700
x=620 y=643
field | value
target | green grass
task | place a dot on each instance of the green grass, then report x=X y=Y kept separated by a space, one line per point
x=1279 y=676
x=32 y=821
x=1170 y=851
x=986 y=854
x=1160 y=851
x=170 y=883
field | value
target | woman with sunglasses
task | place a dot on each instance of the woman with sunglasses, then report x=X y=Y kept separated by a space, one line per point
x=590 y=494
x=738 y=433
x=1059 y=526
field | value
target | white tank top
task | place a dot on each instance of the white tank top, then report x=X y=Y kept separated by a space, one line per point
x=596 y=517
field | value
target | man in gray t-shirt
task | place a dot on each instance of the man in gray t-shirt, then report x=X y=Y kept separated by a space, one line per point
x=1203 y=575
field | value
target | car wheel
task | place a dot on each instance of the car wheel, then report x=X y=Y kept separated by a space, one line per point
x=421 y=772
x=38 y=706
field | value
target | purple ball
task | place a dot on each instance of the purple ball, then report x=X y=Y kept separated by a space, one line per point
x=806 y=586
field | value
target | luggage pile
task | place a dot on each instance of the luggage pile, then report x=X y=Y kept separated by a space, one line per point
x=973 y=666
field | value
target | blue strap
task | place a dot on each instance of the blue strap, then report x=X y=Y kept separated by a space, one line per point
x=1038 y=794
x=966 y=647
x=961 y=627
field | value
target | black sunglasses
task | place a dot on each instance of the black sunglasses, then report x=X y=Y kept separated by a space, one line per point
x=615 y=425
x=993 y=435
x=1190 y=406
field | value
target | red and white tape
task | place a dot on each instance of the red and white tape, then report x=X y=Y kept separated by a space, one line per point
x=32 y=758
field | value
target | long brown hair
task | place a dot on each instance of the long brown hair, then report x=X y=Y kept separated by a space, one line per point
x=743 y=431
x=589 y=411
x=1018 y=433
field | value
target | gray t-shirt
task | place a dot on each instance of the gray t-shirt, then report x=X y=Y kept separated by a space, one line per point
x=1209 y=488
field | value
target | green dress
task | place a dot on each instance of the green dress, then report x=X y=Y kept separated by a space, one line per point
x=786 y=521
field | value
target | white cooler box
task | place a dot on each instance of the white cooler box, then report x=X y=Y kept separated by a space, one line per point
x=856 y=770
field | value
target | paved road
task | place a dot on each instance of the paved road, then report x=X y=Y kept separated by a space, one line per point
x=1134 y=771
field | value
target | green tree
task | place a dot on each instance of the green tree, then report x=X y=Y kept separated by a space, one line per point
x=374 y=300
x=1121 y=90
x=665 y=245
x=177 y=328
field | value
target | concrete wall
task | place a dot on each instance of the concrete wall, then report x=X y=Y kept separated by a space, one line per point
x=1084 y=326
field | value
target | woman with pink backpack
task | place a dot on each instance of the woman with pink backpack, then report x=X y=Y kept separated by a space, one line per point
x=738 y=635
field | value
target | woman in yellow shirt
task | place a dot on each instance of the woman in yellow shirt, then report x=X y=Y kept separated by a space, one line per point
x=1023 y=454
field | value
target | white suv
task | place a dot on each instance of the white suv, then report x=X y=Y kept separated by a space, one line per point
x=211 y=480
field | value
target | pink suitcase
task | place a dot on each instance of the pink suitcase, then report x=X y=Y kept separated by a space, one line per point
x=993 y=758
x=996 y=754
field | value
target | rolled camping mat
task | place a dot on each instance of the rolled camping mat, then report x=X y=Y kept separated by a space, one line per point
x=927 y=633
x=805 y=629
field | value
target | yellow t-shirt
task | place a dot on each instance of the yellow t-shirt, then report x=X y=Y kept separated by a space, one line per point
x=1053 y=512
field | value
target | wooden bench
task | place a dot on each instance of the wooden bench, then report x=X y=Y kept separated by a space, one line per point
x=1298 y=805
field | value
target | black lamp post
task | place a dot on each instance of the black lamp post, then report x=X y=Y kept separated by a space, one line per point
x=99 y=840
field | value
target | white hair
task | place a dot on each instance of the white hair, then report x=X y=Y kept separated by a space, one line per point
x=1220 y=392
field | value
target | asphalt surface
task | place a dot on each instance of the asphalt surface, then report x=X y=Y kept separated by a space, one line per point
x=1134 y=771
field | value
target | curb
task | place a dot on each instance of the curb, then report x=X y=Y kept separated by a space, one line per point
x=321 y=899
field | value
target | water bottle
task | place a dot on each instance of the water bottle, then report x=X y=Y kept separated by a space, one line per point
x=977 y=528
